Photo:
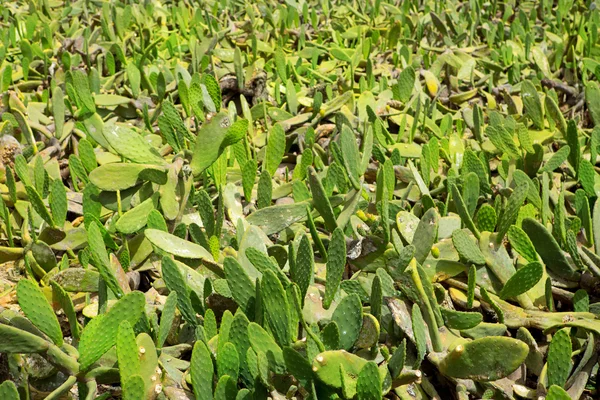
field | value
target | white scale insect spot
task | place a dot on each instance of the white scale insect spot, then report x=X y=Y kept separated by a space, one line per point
x=142 y=350
x=320 y=359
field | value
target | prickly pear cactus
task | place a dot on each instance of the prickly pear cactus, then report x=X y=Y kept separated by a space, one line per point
x=485 y=359
x=299 y=200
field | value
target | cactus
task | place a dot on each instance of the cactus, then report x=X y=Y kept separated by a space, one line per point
x=548 y=249
x=398 y=359
x=461 y=320
x=521 y=244
x=276 y=307
x=326 y=367
x=320 y=200
x=418 y=327
x=426 y=234
x=330 y=336
x=484 y=359
x=298 y=366
x=202 y=371
x=167 y=318
x=369 y=332
x=133 y=388
x=461 y=207
x=175 y=282
x=242 y=288
x=471 y=286
x=127 y=352
x=557 y=393
x=523 y=280
x=228 y=362
x=368 y=384
x=486 y=218
x=349 y=317
x=336 y=263
x=101 y=333
x=466 y=248
x=302 y=271
x=403 y=260
x=260 y=340
x=509 y=216
x=101 y=260
x=34 y=305
x=559 y=358
x=193 y=164
x=535 y=358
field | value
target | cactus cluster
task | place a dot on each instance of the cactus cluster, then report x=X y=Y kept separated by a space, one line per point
x=300 y=199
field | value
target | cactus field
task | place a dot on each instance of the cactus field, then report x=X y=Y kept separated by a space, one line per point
x=299 y=199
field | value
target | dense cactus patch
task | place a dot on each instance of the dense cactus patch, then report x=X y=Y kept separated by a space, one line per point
x=312 y=199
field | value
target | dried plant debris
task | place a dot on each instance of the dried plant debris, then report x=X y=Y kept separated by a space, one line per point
x=313 y=199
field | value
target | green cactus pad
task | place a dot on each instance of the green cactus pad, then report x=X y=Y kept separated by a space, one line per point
x=167 y=318
x=368 y=385
x=101 y=260
x=521 y=243
x=535 y=358
x=472 y=281
x=302 y=270
x=486 y=218
x=511 y=211
x=127 y=352
x=426 y=234
x=462 y=210
x=226 y=388
x=349 y=317
x=238 y=335
x=228 y=361
x=326 y=367
x=202 y=371
x=175 y=282
x=420 y=333
x=298 y=366
x=548 y=249
x=241 y=286
x=260 y=340
x=398 y=359
x=35 y=307
x=461 y=320
x=557 y=393
x=369 y=332
x=336 y=263
x=13 y=340
x=134 y=389
x=523 y=280
x=330 y=336
x=559 y=358
x=148 y=357
x=320 y=200
x=8 y=391
x=467 y=248
x=101 y=333
x=67 y=305
x=276 y=307
x=485 y=359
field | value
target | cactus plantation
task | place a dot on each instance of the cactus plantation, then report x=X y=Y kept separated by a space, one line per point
x=300 y=199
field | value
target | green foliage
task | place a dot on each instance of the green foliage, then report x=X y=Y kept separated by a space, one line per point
x=317 y=200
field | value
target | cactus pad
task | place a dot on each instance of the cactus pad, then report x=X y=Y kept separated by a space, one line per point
x=485 y=359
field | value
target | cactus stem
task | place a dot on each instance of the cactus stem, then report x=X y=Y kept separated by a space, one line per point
x=62 y=360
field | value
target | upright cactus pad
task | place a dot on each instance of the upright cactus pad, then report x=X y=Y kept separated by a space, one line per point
x=101 y=333
x=348 y=316
x=36 y=308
